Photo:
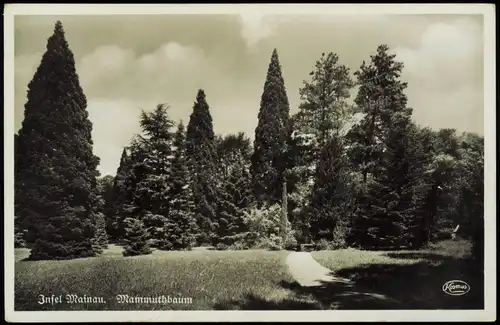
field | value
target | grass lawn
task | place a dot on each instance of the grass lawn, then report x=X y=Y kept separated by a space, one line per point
x=253 y=280
x=213 y=279
x=412 y=279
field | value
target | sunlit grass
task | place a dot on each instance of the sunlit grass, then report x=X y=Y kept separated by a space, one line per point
x=208 y=277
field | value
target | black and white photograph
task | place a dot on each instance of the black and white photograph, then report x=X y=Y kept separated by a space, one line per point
x=272 y=159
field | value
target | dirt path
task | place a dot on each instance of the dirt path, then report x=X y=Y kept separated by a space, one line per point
x=308 y=272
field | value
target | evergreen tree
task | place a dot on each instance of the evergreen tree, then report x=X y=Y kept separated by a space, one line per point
x=200 y=149
x=149 y=179
x=232 y=151
x=269 y=159
x=102 y=191
x=235 y=191
x=324 y=111
x=382 y=152
x=180 y=226
x=235 y=196
x=331 y=193
x=380 y=95
x=115 y=216
x=471 y=200
x=55 y=168
x=135 y=238
x=100 y=240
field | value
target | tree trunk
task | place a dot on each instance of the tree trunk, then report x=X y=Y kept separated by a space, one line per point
x=284 y=216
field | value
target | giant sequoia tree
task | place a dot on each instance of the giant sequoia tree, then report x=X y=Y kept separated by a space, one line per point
x=200 y=149
x=269 y=159
x=55 y=171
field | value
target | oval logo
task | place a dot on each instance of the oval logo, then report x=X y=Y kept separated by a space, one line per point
x=456 y=287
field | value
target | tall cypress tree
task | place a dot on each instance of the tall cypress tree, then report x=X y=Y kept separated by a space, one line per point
x=200 y=149
x=55 y=167
x=272 y=134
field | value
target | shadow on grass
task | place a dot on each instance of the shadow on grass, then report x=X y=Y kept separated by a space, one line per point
x=428 y=256
x=376 y=287
x=254 y=302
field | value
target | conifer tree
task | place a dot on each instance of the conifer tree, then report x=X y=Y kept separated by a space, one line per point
x=115 y=216
x=331 y=192
x=103 y=189
x=471 y=192
x=135 y=238
x=180 y=225
x=55 y=168
x=151 y=172
x=200 y=149
x=270 y=156
x=324 y=111
x=101 y=236
x=382 y=152
x=234 y=190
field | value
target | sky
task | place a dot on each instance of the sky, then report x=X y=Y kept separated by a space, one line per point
x=131 y=63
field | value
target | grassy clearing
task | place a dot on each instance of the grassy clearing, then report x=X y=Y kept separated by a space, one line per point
x=403 y=279
x=349 y=258
x=213 y=279
x=254 y=280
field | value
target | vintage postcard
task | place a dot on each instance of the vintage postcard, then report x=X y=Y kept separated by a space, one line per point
x=249 y=162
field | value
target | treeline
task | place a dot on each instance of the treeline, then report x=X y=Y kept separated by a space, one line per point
x=336 y=173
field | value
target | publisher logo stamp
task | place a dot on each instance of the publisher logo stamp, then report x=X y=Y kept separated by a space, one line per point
x=456 y=288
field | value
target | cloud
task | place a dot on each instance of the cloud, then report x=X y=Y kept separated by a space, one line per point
x=170 y=70
x=445 y=75
x=448 y=56
x=256 y=26
x=126 y=65
x=110 y=118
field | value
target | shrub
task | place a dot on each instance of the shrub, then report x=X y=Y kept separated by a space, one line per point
x=290 y=244
x=221 y=247
x=263 y=228
x=19 y=241
x=340 y=235
x=238 y=246
x=18 y=234
x=323 y=245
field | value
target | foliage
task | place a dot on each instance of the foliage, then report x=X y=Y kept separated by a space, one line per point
x=100 y=241
x=180 y=227
x=19 y=241
x=118 y=198
x=263 y=226
x=330 y=199
x=201 y=153
x=55 y=168
x=135 y=238
x=269 y=158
